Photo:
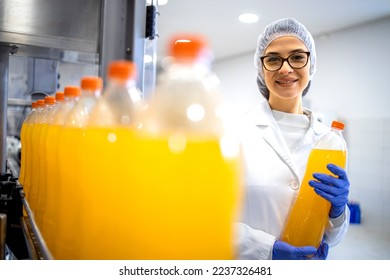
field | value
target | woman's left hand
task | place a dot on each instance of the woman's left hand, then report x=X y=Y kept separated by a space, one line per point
x=333 y=189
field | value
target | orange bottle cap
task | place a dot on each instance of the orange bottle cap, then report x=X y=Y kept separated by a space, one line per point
x=337 y=124
x=188 y=47
x=59 y=96
x=122 y=70
x=41 y=102
x=34 y=104
x=91 y=83
x=72 y=91
x=50 y=100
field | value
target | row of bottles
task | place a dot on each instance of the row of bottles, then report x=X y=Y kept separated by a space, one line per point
x=109 y=175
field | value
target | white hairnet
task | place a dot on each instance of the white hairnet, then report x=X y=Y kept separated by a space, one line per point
x=279 y=28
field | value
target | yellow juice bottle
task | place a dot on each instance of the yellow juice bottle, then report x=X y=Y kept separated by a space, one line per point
x=24 y=142
x=51 y=221
x=69 y=188
x=30 y=148
x=183 y=172
x=309 y=215
x=35 y=159
x=41 y=179
x=107 y=137
x=49 y=165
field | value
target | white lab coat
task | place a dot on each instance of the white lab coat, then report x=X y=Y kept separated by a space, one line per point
x=273 y=176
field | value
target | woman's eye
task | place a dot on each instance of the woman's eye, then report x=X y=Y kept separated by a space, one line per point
x=273 y=59
x=297 y=57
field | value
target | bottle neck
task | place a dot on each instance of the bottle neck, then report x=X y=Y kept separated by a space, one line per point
x=91 y=93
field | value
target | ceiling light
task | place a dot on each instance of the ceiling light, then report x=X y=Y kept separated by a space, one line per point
x=248 y=18
x=159 y=2
x=162 y=2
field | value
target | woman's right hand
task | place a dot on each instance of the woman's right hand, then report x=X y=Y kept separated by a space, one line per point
x=285 y=251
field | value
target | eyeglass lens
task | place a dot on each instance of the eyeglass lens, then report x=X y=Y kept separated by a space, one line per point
x=295 y=60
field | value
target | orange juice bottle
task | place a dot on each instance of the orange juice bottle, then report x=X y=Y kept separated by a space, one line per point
x=41 y=179
x=184 y=177
x=30 y=149
x=51 y=222
x=68 y=188
x=24 y=142
x=35 y=136
x=48 y=168
x=108 y=137
x=309 y=215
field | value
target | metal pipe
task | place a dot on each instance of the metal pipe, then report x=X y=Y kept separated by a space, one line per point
x=4 y=64
x=3 y=230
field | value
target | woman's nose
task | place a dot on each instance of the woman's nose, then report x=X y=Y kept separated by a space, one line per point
x=286 y=68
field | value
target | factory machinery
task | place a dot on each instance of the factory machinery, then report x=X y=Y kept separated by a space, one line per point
x=42 y=42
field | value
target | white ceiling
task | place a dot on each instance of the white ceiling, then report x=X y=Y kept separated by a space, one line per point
x=218 y=19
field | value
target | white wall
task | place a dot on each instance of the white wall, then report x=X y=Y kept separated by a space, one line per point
x=351 y=84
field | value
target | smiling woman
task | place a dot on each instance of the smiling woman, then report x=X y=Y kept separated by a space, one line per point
x=277 y=138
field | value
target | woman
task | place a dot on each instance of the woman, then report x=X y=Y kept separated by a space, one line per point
x=276 y=144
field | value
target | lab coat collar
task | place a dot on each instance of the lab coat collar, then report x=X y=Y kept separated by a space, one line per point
x=262 y=117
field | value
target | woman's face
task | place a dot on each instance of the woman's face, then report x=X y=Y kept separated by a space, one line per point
x=286 y=83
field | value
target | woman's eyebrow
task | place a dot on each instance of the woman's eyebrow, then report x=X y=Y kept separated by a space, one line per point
x=290 y=52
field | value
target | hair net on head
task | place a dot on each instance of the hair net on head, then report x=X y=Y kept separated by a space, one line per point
x=279 y=28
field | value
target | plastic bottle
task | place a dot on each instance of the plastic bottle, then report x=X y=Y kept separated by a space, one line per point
x=31 y=150
x=50 y=103
x=46 y=195
x=24 y=142
x=309 y=215
x=71 y=95
x=186 y=170
x=35 y=159
x=69 y=187
x=49 y=166
x=60 y=97
x=107 y=142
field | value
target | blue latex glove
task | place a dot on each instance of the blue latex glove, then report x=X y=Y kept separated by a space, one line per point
x=333 y=189
x=285 y=251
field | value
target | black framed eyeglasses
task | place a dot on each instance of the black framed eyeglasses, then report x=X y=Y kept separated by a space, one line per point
x=296 y=60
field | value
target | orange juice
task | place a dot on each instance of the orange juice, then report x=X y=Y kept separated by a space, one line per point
x=69 y=206
x=309 y=216
x=41 y=180
x=23 y=139
x=49 y=216
x=34 y=188
x=29 y=148
x=146 y=201
x=23 y=152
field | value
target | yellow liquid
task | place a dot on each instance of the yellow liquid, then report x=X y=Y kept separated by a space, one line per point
x=309 y=216
x=67 y=242
x=147 y=202
x=23 y=153
x=42 y=176
x=34 y=187
x=49 y=229
x=28 y=150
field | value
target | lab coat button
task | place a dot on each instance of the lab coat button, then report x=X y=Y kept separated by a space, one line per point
x=294 y=185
